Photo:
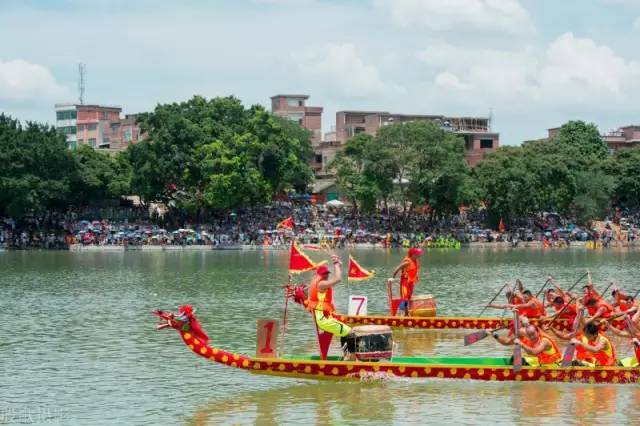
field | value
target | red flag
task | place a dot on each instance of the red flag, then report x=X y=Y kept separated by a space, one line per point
x=357 y=272
x=501 y=227
x=287 y=223
x=300 y=262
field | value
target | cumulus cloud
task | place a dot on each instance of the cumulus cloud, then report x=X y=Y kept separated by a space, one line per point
x=342 y=67
x=569 y=71
x=22 y=82
x=502 y=16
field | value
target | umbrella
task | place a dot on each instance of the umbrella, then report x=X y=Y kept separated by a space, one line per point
x=335 y=203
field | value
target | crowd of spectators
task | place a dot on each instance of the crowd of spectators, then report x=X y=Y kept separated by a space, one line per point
x=313 y=224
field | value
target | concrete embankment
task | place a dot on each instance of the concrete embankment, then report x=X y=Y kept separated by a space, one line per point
x=475 y=245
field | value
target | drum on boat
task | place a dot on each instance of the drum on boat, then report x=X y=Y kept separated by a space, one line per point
x=422 y=306
x=369 y=343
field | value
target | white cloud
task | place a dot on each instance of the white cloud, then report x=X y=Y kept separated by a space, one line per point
x=570 y=71
x=342 y=68
x=22 y=82
x=580 y=66
x=502 y=16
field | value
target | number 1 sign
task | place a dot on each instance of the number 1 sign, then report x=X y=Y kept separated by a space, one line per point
x=357 y=305
x=267 y=338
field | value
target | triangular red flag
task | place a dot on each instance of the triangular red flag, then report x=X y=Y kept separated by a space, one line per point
x=300 y=262
x=357 y=272
x=287 y=223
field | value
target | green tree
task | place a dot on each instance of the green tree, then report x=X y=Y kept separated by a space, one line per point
x=624 y=166
x=36 y=168
x=583 y=137
x=356 y=172
x=438 y=173
x=98 y=175
x=175 y=163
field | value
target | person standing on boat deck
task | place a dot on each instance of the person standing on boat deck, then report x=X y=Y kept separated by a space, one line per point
x=408 y=269
x=321 y=299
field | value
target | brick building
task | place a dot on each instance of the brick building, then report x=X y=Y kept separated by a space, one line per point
x=624 y=137
x=293 y=107
x=476 y=131
x=98 y=126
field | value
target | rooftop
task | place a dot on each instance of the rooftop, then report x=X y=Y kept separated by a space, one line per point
x=291 y=96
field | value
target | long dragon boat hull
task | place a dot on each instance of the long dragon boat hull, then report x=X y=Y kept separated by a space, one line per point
x=467 y=368
x=440 y=323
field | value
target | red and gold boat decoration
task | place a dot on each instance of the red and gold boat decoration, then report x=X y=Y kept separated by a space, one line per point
x=469 y=368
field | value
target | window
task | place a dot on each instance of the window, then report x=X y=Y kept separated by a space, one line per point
x=66 y=115
x=105 y=115
x=92 y=126
x=296 y=117
x=486 y=143
x=92 y=142
x=126 y=135
x=67 y=130
x=292 y=102
x=72 y=145
x=318 y=158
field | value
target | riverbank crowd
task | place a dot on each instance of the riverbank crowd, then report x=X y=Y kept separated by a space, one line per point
x=312 y=224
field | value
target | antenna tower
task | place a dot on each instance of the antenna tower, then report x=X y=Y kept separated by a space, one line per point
x=82 y=70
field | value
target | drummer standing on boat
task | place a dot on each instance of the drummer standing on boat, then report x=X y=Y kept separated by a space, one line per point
x=321 y=299
x=408 y=269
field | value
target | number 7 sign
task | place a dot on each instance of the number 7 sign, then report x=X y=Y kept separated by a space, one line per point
x=357 y=305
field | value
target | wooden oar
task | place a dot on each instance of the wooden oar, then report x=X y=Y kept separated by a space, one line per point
x=517 y=349
x=569 y=352
x=560 y=312
x=605 y=290
x=476 y=336
x=543 y=286
x=576 y=283
x=494 y=298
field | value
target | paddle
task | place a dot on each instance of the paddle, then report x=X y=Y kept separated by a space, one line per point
x=560 y=312
x=605 y=290
x=576 y=283
x=476 y=336
x=494 y=298
x=517 y=349
x=543 y=286
x=569 y=352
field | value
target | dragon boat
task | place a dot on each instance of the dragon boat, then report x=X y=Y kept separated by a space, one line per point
x=335 y=367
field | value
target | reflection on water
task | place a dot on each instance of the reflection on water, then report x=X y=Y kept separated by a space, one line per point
x=79 y=339
x=425 y=401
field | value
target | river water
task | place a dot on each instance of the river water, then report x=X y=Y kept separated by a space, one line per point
x=78 y=343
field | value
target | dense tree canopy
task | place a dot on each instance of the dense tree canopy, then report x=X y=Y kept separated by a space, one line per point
x=216 y=154
x=565 y=175
x=412 y=164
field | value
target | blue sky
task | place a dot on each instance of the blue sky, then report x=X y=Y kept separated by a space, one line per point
x=533 y=63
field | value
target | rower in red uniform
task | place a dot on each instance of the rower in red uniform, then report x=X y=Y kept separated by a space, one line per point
x=569 y=313
x=594 y=348
x=540 y=347
x=321 y=299
x=531 y=307
x=598 y=308
x=409 y=269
